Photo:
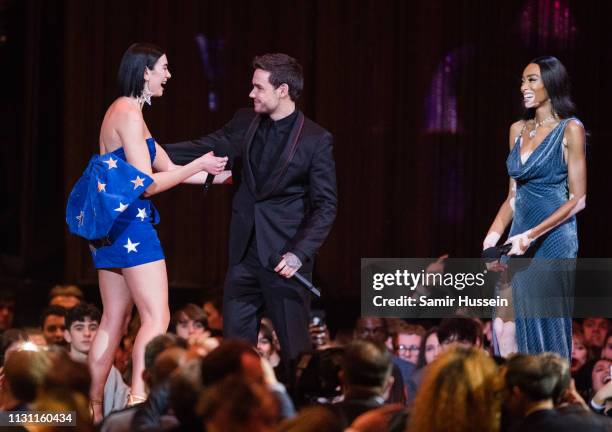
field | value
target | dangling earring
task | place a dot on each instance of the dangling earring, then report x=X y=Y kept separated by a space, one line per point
x=146 y=94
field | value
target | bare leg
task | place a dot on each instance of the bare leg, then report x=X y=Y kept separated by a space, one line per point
x=117 y=306
x=148 y=284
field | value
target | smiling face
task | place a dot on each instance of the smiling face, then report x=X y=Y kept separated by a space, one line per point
x=158 y=76
x=266 y=98
x=601 y=374
x=532 y=87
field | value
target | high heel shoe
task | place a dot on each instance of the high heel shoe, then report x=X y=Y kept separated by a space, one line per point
x=135 y=400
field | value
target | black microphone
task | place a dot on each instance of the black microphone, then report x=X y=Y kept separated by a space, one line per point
x=496 y=252
x=219 y=152
x=276 y=258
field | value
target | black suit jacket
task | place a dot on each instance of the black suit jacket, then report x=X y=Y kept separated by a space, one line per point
x=569 y=419
x=295 y=208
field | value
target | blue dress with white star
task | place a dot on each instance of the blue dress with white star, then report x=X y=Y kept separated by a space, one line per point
x=106 y=207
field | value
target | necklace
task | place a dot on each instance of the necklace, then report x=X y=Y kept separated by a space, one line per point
x=533 y=132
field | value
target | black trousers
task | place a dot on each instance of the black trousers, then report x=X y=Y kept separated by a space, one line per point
x=250 y=289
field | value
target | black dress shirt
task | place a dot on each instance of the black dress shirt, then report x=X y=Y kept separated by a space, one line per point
x=268 y=144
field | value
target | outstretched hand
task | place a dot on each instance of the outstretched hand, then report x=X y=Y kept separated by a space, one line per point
x=212 y=164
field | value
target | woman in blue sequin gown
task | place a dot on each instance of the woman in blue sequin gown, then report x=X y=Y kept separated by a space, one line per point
x=547 y=169
x=132 y=269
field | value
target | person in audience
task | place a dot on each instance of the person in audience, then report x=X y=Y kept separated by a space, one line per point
x=595 y=330
x=267 y=343
x=36 y=336
x=7 y=310
x=212 y=308
x=461 y=391
x=375 y=329
x=121 y=421
x=366 y=379
x=407 y=342
x=312 y=419
x=235 y=404
x=317 y=380
x=188 y=321
x=82 y=323
x=66 y=296
x=579 y=350
x=532 y=384
x=606 y=351
x=24 y=372
x=428 y=351
x=459 y=331
x=53 y=325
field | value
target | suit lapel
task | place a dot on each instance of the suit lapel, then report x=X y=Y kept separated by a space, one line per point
x=286 y=156
x=250 y=178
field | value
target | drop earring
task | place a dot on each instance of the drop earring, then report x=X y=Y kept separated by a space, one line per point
x=146 y=94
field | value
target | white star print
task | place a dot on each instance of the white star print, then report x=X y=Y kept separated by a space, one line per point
x=131 y=247
x=121 y=207
x=138 y=182
x=81 y=217
x=101 y=186
x=142 y=214
x=112 y=163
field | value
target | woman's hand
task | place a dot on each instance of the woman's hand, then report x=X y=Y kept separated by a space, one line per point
x=490 y=240
x=212 y=164
x=520 y=243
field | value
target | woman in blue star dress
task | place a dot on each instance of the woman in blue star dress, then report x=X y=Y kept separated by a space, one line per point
x=130 y=260
x=547 y=169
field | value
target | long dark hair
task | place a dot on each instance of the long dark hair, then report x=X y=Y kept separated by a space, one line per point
x=135 y=59
x=557 y=83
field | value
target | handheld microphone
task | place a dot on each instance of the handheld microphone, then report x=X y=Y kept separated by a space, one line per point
x=496 y=252
x=219 y=152
x=276 y=258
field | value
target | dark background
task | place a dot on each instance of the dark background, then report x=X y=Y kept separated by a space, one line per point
x=419 y=96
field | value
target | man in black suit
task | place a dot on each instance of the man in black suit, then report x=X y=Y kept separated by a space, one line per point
x=284 y=206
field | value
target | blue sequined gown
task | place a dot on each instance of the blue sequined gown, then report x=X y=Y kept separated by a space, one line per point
x=541 y=188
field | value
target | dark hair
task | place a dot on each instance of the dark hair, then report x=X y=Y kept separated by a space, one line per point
x=459 y=330
x=537 y=378
x=557 y=84
x=131 y=70
x=159 y=344
x=421 y=361
x=191 y=311
x=52 y=310
x=283 y=70
x=366 y=364
x=80 y=312
x=225 y=360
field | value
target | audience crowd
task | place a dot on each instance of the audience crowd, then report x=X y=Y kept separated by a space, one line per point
x=383 y=374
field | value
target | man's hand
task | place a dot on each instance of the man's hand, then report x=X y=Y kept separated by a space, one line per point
x=288 y=265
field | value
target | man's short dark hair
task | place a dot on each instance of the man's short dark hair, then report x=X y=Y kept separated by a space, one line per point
x=225 y=360
x=459 y=330
x=366 y=364
x=52 y=310
x=283 y=70
x=159 y=344
x=535 y=376
x=80 y=312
